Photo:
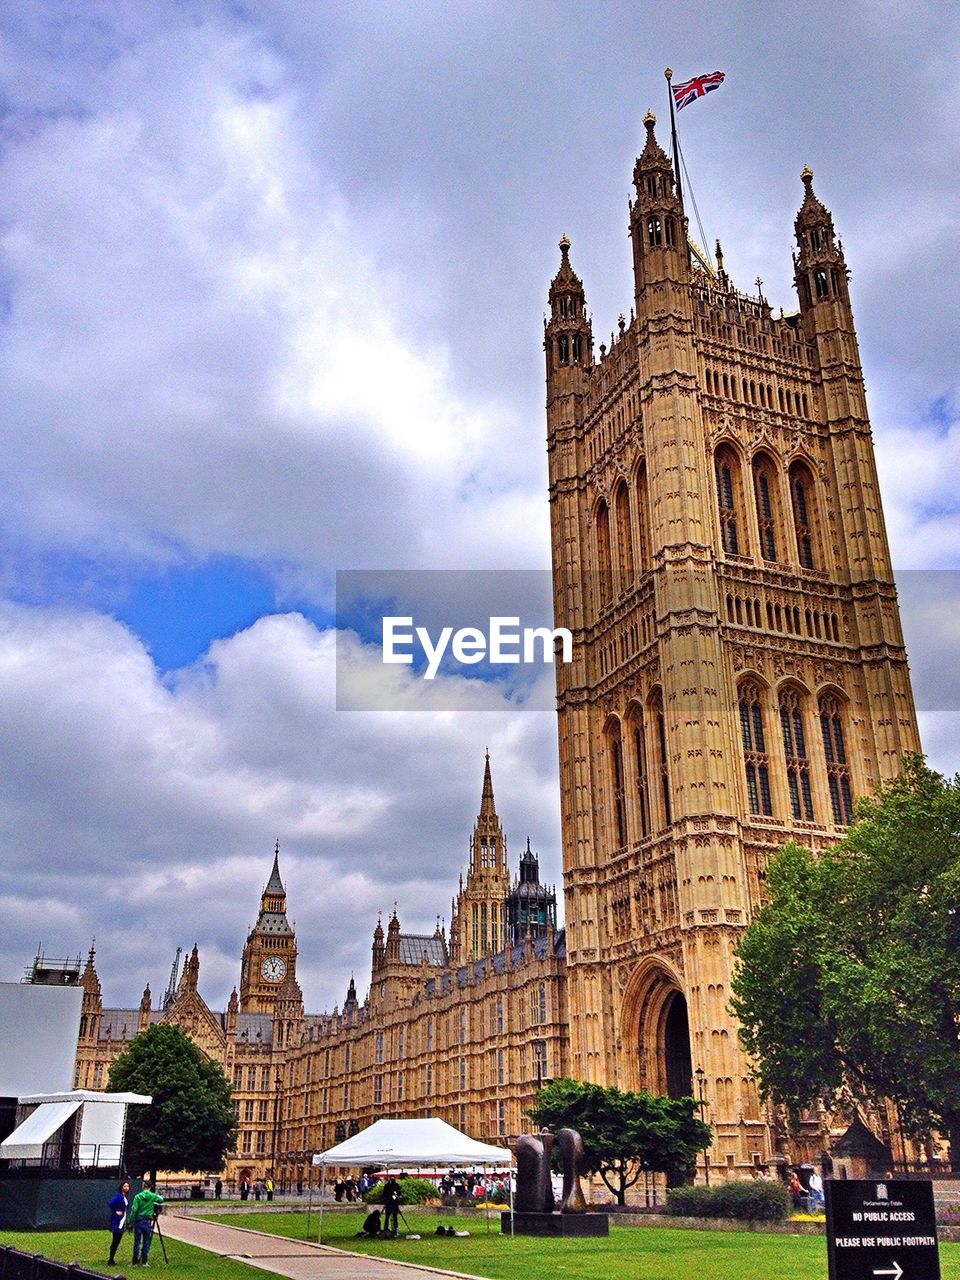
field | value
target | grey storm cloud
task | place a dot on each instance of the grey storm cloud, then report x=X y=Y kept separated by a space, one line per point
x=272 y=279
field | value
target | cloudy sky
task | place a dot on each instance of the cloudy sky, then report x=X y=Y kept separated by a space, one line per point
x=272 y=278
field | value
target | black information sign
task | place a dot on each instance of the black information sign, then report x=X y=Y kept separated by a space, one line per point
x=881 y=1230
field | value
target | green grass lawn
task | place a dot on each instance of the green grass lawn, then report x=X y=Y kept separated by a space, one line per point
x=91 y=1248
x=652 y=1253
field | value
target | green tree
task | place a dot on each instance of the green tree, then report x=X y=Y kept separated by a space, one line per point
x=191 y=1124
x=847 y=984
x=625 y=1134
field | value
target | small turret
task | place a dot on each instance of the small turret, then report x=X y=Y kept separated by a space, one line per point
x=191 y=973
x=657 y=223
x=820 y=271
x=233 y=1009
x=378 y=948
x=392 y=952
x=89 y=979
x=146 y=1003
x=568 y=335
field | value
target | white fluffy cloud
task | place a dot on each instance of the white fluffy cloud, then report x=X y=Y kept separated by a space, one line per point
x=145 y=811
x=271 y=279
x=201 y=355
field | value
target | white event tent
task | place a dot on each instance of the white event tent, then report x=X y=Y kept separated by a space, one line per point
x=411 y=1144
x=98 y=1139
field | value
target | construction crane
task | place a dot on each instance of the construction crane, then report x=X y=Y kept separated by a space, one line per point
x=171 y=991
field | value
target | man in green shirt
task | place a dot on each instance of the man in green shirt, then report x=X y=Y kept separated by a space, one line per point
x=143 y=1211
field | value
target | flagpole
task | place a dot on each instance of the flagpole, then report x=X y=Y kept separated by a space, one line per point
x=673 y=134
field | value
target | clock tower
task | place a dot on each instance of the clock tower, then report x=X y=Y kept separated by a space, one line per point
x=270 y=953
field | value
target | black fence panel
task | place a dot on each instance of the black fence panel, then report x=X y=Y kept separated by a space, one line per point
x=17 y=1265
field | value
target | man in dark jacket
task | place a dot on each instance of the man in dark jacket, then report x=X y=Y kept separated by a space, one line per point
x=391 y=1206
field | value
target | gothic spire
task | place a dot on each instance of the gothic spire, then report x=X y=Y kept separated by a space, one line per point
x=89 y=979
x=275 y=884
x=487 y=806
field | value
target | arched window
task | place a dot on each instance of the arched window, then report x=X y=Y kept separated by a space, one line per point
x=795 y=750
x=603 y=554
x=820 y=283
x=663 y=765
x=835 y=753
x=577 y=348
x=621 y=505
x=765 y=495
x=654 y=232
x=641 y=552
x=563 y=349
x=754 y=748
x=802 y=499
x=728 y=500
x=615 y=750
x=669 y=229
x=636 y=729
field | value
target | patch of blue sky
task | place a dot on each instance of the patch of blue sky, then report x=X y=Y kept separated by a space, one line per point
x=942 y=411
x=177 y=612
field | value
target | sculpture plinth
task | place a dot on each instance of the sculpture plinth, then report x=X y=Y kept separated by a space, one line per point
x=556 y=1224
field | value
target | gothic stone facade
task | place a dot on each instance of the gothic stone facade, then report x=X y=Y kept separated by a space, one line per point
x=739 y=676
x=739 y=672
x=465 y=1030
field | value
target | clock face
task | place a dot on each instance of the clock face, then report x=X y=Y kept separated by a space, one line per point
x=273 y=969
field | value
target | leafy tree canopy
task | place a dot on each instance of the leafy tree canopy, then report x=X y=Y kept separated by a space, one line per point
x=191 y=1124
x=624 y=1133
x=847 y=985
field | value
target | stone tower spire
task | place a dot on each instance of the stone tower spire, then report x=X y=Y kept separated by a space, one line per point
x=478 y=926
x=274 y=886
x=270 y=953
x=91 y=1003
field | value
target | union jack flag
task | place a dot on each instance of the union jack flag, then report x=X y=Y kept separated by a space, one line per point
x=696 y=88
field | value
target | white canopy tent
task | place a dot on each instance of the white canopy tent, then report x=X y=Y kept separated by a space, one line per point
x=411 y=1144
x=99 y=1137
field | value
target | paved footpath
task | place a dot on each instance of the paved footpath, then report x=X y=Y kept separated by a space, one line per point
x=296 y=1259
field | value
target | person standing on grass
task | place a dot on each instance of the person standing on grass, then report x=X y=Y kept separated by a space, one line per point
x=218 y=1189
x=118 y=1220
x=391 y=1206
x=143 y=1211
x=269 y=1185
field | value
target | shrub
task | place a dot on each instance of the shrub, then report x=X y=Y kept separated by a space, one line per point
x=755 y=1201
x=412 y=1191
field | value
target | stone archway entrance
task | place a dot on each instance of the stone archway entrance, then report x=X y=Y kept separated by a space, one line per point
x=655 y=1032
x=675 y=1048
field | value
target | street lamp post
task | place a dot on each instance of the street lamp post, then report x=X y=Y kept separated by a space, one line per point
x=701 y=1077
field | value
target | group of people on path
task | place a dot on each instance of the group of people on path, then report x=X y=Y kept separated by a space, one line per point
x=260 y=1187
x=140 y=1214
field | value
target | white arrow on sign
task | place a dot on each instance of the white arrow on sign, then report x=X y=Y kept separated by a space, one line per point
x=896 y=1271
